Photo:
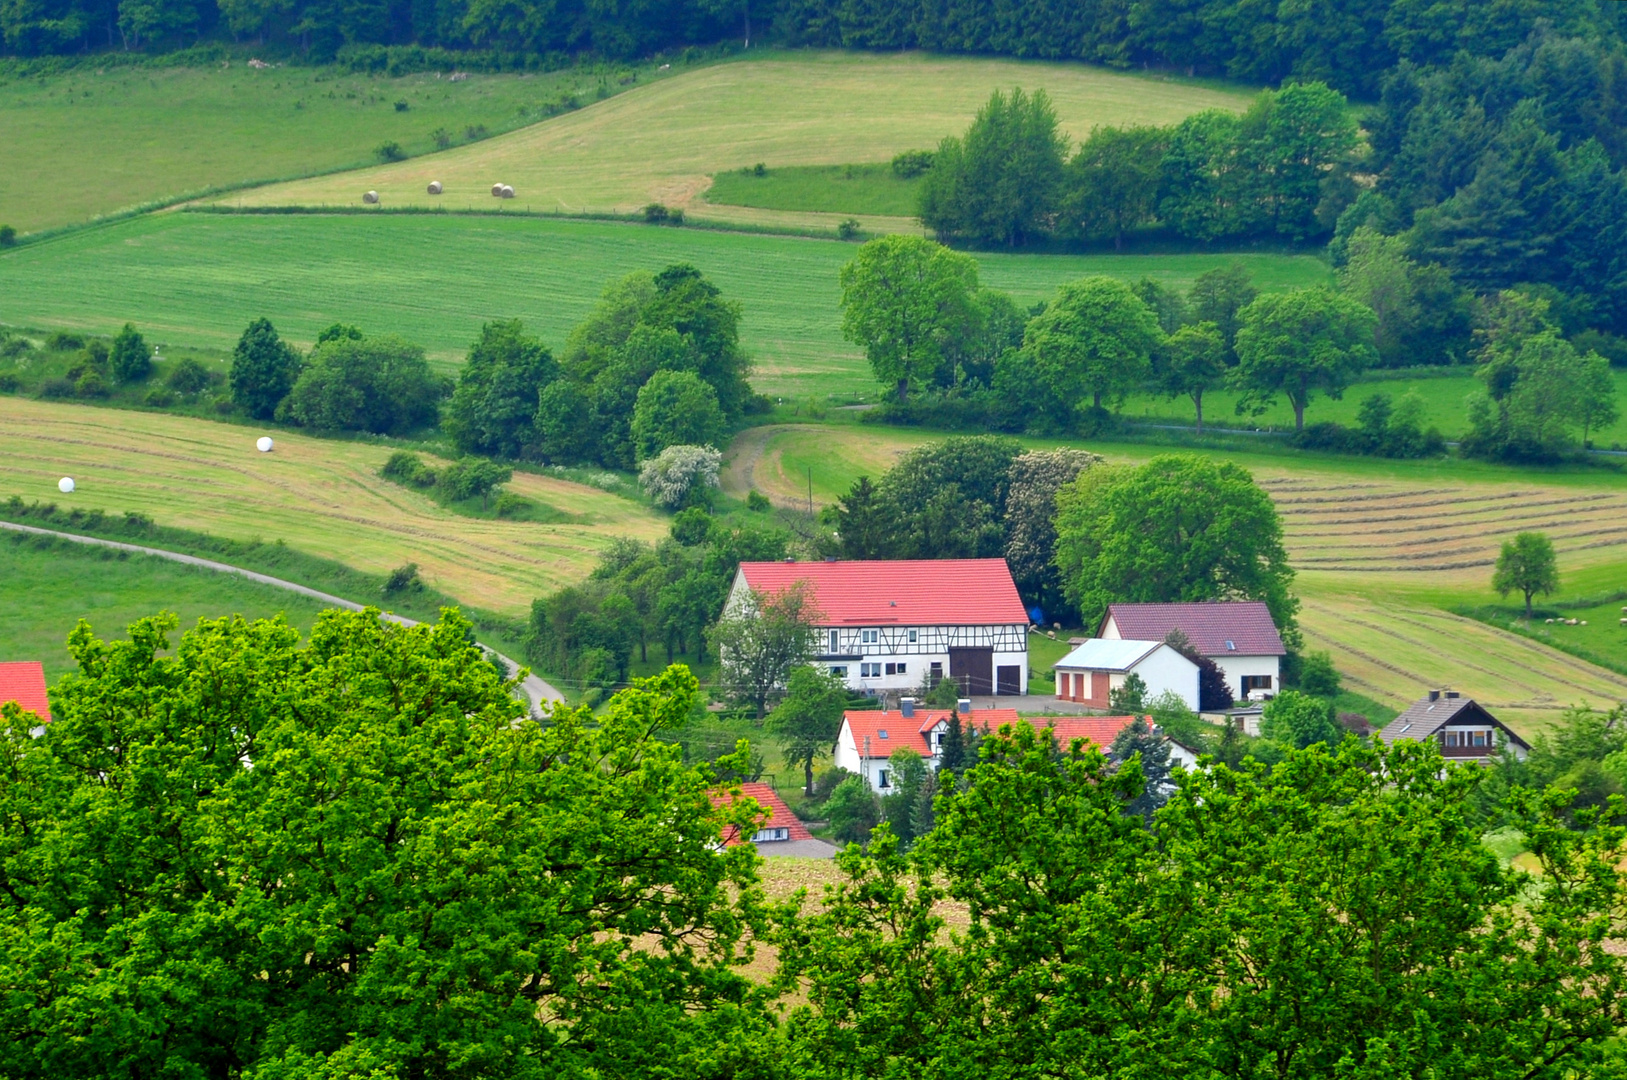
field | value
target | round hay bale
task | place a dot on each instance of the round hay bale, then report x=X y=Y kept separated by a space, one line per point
x=264 y=444
x=65 y=485
x=370 y=197
x=508 y=192
x=434 y=187
x=497 y=191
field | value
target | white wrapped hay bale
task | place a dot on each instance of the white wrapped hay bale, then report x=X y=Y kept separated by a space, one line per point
x=65 y=485
x=497 y=191
x=508 y=192
x=370 y=197
x=434 y=187
x=264 y=444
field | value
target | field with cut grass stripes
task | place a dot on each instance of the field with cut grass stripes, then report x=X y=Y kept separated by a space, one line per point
x=198 y=279
x=320 y=496
x=664 y=141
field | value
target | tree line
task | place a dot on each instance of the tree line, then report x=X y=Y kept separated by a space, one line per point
x=929 y=329
x=253 y=856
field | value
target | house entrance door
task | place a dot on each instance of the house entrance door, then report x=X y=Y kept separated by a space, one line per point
x=1008 y=680
x=973 y=670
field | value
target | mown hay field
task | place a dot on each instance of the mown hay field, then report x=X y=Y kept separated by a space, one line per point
x=56 y=584
x=662 y=142
x=321 y=496
x=198 y=279
x=90 y=142
x=1383 y=551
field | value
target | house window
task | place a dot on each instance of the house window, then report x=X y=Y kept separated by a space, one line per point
x=883 y=778
x=1256 y=682
x=869 y=637
x=936 y=672
x=839 y=670
x=896 y=669
x=780 y=833
x=915 y=635
x=835 y=641
x=1480 y=738
x=869 y=671
x=901 y=668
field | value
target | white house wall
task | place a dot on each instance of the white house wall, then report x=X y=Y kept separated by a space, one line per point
x=1165 y=669
x=1234 y=667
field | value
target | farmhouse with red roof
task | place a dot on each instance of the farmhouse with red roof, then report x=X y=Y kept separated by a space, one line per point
x=893 y=625
x=776 y=825
x=23 y=681
x=1238 y=635
x=868 y=737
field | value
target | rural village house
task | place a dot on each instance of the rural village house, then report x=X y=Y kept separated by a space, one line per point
x=1460 y=727
x=868 y=737
x=1091 y=672
x=23 y=681
x=894 y=625
x=779 y=831
x=1238 y=635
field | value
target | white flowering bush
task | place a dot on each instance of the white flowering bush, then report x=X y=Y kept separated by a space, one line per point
x=678 y=474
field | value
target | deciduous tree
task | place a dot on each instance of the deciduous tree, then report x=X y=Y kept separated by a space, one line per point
x=264 y=368
x=494 y=408
x=1095 y=340
x=130 y=360
x=762 y=640
x=1191 y=363
x=809 y=718
x=675 y=408
x=1297 y=343
x=1526 y=564
x=903 y=299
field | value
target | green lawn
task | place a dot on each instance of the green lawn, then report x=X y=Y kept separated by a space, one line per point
x=834 y=189
x=198 y=279
x=53 y=585
x=87 y=143
x=1444 y=403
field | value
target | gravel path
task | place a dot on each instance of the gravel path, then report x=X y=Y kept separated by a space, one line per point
x=537 y=690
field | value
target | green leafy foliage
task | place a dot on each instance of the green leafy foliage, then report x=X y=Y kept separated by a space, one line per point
x=130 y=360
x=1095 y=340
x=762 y=641
x=381 y=385
x=904 y=298
x=1300 y=719
x=494 y=408
x=1527 y=565
x=675 y=408
x=398 y=874
x=1297 y=343
x=808 y=718
x=999 y=184
x=1179 y=528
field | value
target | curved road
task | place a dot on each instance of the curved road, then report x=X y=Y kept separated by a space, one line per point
x=535 y=689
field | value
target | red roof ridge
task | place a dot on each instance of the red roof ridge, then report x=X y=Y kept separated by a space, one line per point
x=909 y=592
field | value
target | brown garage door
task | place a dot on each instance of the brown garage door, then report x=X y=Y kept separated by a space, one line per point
x=1008 y=679
x=973 y=669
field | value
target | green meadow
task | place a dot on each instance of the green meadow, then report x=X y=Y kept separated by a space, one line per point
x=833 y=189
x=91 y=142
x=57 y=583
x=197 y=279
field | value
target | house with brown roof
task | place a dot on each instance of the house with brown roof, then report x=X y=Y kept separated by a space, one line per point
x=1238 y=635
x=1460 y=726
x=868 y=737
x=894 y=625
x=23 y=681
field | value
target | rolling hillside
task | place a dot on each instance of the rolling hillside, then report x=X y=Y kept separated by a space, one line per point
x=661 y=142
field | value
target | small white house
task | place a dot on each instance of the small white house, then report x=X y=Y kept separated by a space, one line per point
x=898 y=625
x=1090 y=673
x=1238 y=635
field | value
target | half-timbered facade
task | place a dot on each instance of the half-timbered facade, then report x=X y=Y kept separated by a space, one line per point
x=892 y=626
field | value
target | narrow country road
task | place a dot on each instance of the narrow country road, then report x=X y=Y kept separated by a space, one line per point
x=535 y=689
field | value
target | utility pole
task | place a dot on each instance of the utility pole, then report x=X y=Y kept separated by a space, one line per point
x=810 y=491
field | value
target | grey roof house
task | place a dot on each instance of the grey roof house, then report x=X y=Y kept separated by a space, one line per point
x=1463 y=729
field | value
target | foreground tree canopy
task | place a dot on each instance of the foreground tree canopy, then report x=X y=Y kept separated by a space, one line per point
x=245 y=857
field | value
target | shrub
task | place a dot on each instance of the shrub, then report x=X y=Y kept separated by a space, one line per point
x=14 y=346
x=91 y=385
x=759 y=169
x=63 y=341
x=680 y=475
x=401 y=106
x=8 y=236
x=159 y=398
x=852 y=810
x=403 y=579
x=52 y=389
x=912 y=163
x=656 y=214
x=389 y=151
x=130 y=360
x=758 y=502
x=474 y=131
x=137 y=522
x=510 y=505
x=382 y=385
x=442 y=137
x=188 y=376
x=408 y=469
x=848 y=229
x=9 y=383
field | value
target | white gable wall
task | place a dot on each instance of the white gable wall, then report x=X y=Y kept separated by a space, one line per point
x=1234 y=666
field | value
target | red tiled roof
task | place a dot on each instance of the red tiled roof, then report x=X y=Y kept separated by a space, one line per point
x=776 y=813
x=23 y=681
x=1100 y=730
x=887 y=731
x=1245 y=623
x=914 y=592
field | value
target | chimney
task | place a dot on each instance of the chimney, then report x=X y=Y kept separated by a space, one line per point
x=907 y=707
x=1434 y=695
x=1452 y=695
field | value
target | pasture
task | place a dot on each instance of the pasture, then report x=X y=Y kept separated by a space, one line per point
x=1383 y=551
x=110 y=590
x=835 y=189
x=323 y=497
x=662 y=142
x=198 y=279
x=91 y=142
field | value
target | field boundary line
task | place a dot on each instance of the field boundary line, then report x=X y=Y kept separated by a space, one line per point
x=537 y=690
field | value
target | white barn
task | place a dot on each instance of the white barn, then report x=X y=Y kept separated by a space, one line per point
x=1090 y=673
x=891 y=626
